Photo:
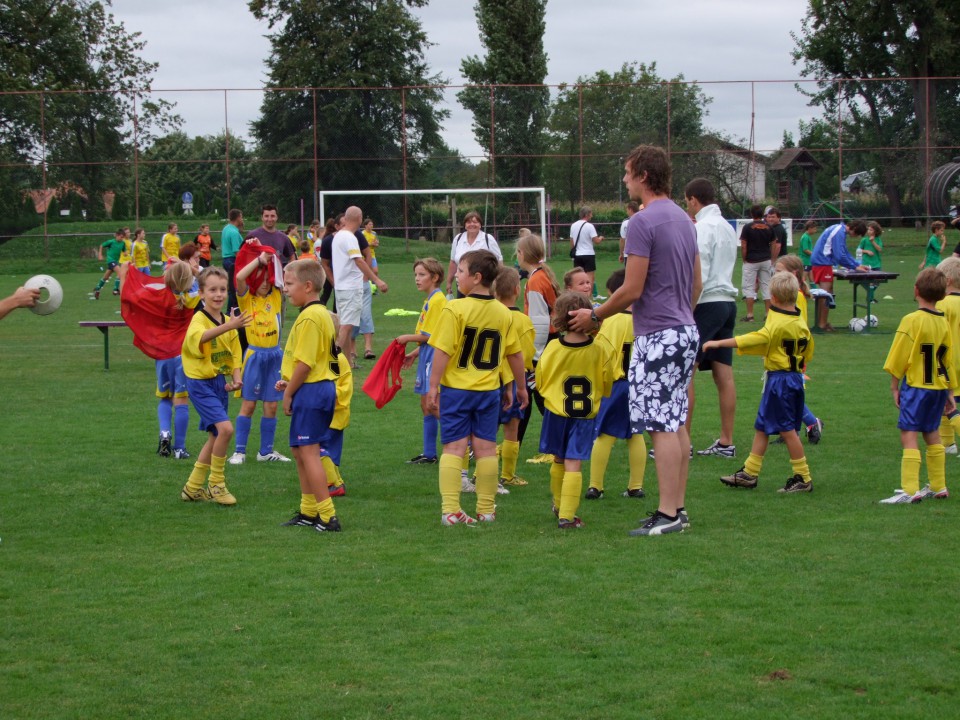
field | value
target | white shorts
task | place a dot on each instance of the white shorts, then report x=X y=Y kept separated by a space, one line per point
x=349 y=305
x=752 y=272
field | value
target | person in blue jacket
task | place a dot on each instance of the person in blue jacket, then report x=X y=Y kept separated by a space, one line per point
x=831 y=250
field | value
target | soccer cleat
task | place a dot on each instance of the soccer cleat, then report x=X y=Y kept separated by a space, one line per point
x=901 y=497
x=540 y=458
x=593 y=494
x=188 y=495
x=950 y=449
x=636 y=493
x=684 y=518
x=740 y=478
x=96 y=293
x=719 y=450
x=466 y=485
x=163 y=448
x=515 y=481
x=422 y=459
x=814 y=432
x=331 y=525
x=555 y=510
x=116 y=292
x=501 y=490
x=181 y=454
x=273 y=456
x=457 y=518
x=220 y=494
x=337 y=490
x=658 y=524
x=238 y=458
x=569 y=524
x=928 y=493
x=486 y=517
x=796 y=485
x=301 y=520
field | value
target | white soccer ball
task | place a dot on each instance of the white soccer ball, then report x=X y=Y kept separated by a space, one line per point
x=51 y=294
x=857 y=324
x=873 y=321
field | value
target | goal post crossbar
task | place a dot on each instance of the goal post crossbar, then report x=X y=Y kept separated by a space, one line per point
x=541 y=197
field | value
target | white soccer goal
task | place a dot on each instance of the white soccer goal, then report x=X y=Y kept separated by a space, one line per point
x=514 y=216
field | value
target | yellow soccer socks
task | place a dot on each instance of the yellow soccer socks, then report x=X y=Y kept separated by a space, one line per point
x=509 y=453
x=600 y=458
x=450 y=466
x=486 y=485
x=910 y=471
x=572 y=484
x=637 y=454
x=936 y=470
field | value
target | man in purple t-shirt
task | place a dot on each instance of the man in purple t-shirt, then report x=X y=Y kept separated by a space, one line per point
x=662 y=284
x=268 y=234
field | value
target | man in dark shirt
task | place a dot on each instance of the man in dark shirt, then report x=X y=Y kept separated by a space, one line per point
x=268 y=234
x=772 y=216
x=756 y=247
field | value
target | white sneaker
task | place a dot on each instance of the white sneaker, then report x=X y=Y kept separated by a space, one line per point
x=486 y=517
x=928 y=493
x=272 y=457
x=466 y=485
x=950 y=449
x=900 y=497
x=501 y=490
x=237 y=458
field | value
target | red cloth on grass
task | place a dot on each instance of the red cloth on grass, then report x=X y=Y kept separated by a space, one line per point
x=384 y=380
x=150 y=310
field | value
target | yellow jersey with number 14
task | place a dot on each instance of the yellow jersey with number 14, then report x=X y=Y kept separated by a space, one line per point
x=921 y=351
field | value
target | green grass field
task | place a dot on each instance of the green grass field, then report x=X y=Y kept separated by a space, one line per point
x=120 y=601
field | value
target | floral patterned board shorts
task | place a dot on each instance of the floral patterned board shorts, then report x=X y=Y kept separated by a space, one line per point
x=662 y=367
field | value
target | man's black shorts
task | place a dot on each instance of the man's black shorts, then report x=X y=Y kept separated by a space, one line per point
x=715 y=321
x=587 y=262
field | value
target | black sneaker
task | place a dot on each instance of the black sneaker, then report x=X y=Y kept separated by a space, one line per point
x=684 y=518
x=796 y=485
x=814 y=432
x=422 y=459
x=638 y=493
x=593 y=494
x=163 y=448
x=740 y=478
x=300 y=519
x=658 y=524
x=331 y=525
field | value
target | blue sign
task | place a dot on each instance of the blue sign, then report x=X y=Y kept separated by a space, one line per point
x=187 y=197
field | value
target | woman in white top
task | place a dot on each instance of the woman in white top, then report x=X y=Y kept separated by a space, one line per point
x=472 y=238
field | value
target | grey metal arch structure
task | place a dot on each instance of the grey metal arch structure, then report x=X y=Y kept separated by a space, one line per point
x=938 y=183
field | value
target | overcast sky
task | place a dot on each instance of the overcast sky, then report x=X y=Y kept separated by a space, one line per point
x=216 y=44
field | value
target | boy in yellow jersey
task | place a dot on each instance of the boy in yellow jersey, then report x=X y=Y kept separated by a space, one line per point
x=950 y=307
x=920 y=362
x=573 y=374
x=613 y=418
x=787 y=346
x=141 y=251
x=473 y=336
x=170 y=245
x=506 y=288
x=309 y=373
x=261 y=362
x=428 y=276
x=331 y=447
x=211 y=350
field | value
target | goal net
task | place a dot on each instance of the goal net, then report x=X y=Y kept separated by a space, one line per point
x=436 y=214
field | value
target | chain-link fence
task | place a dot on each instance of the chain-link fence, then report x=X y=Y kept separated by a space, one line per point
x=882 y=150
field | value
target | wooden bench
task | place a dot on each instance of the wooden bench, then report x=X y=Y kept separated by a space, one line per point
x=104 y=327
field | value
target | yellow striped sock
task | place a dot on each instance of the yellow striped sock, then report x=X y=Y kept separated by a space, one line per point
x=910 y=471
x=556 y=481
x=570 y=494
x=599 y=459
x=509 y=452
x=198 y=476
x=487 y=484
x=308 y=505
x=450 y=482
x=326 y=510
x=753 y=464
x=637 y=452
x=801 y=468
x=936 y=467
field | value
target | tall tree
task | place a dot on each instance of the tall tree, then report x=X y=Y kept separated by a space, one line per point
x=82 y=137
x=360 y=65
x=509 y=103
x=881 y=64
x=596 y=122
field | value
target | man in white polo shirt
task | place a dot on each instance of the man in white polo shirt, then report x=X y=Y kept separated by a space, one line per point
x=583 y=236
x=349 y=271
